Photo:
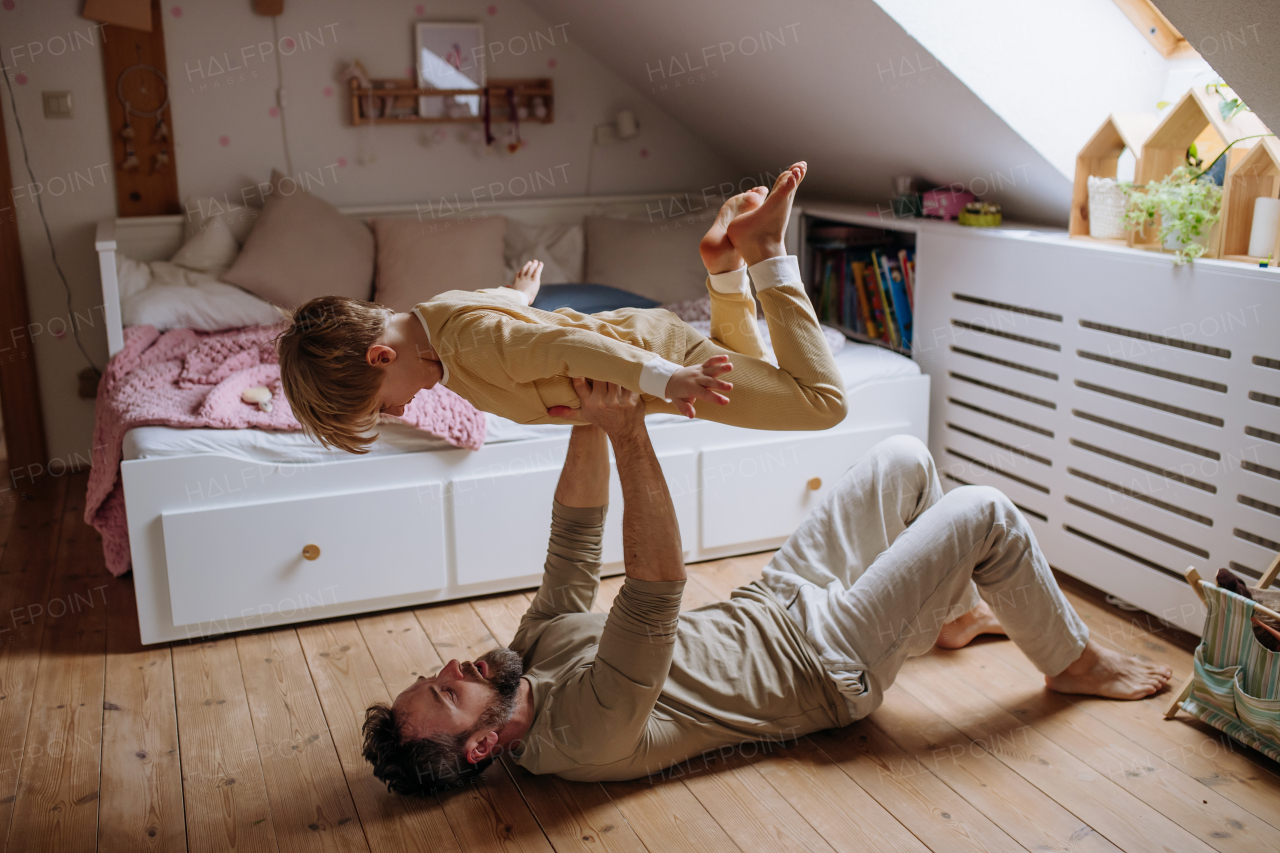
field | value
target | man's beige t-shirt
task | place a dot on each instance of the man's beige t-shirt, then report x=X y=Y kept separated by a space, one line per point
x=631 y=693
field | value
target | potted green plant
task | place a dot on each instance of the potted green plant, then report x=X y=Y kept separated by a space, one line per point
x=1188 y=200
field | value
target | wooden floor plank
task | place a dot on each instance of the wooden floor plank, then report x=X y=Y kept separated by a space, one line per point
x=311 y=807
x=57 y=798
x=1236 y=772
x=668 y=818
x=489 y=815
x=347 y=681
x=1026 y=814
x=574 y=815
x=1195 y=807
x=954 y=687
x=27 y=568
x=749 y=809
x=141 y=804
x=223 y=789
x=935 y=814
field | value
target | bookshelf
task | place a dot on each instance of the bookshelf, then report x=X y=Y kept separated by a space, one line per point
x=860 y=278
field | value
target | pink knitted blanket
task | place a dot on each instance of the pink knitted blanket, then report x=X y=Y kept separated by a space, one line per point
x=185 y=378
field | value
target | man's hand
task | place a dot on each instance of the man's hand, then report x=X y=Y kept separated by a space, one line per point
x=701 y=382
x=611 y=407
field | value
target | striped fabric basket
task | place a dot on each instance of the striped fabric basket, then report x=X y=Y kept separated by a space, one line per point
x=1235 y=684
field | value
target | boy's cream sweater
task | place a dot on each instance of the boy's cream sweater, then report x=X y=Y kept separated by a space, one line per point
x=513 y=360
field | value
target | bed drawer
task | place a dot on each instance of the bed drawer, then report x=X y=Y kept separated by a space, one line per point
x=501 y=520
x=268 y=558
x=761 y=491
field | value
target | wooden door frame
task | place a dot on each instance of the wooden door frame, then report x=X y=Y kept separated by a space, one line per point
x=19 y=385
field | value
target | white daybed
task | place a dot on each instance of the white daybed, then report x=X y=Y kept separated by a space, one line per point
x=219 y=520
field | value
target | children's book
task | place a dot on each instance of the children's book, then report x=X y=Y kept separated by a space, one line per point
x=875 y=304
x=894 y=278
x=886 y=299
x=908 y=265
x=866 y=322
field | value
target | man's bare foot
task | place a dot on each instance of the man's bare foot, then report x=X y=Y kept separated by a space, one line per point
x=958 y=633
x=1100 y=671
x=757 y=234
x=529 y=280
x=718 y=254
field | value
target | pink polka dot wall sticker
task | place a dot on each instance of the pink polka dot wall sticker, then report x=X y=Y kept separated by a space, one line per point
x=327 y=91
x=342 y=162
x=552 y=63
x=274 y=112
x=224 y=141
x=492 y=10
x=644 y=152
x=20 y=79
x=288 y=43
x=176 y=11
x=419 y=10
x=8 y=5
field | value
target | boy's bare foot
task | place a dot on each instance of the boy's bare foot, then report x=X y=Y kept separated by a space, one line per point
x=757 y=234
x=1100 y=671
x=718 y=254
x=958 y=633
x=529 y=280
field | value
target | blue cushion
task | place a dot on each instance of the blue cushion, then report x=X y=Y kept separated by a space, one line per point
x=589 y=298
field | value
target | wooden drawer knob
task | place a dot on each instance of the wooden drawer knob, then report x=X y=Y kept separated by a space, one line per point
x=311 y=552
x=814 y=484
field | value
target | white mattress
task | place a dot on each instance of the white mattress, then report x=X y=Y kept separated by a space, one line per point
x=858 y=363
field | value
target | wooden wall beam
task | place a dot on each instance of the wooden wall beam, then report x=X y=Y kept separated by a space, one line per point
x=19 y=387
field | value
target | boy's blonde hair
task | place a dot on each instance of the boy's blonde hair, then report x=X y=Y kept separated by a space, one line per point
x=330 y=385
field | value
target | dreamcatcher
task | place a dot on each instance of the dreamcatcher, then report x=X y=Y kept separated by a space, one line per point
x=142 y=94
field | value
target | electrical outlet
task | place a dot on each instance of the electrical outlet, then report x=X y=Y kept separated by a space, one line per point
x=57 y=104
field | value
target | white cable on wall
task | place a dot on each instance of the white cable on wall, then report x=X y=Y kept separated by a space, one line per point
x=280 y=98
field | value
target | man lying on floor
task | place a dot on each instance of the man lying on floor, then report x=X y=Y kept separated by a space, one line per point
x=871 y=578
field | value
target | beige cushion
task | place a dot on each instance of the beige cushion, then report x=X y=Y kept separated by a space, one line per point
x=656 y=259
x=421 y=259
x=301 y=247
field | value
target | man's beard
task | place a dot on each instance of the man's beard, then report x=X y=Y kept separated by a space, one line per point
x=505 y=672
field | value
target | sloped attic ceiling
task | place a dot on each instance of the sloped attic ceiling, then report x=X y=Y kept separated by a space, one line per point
x=836 y=82
x=1237 y=38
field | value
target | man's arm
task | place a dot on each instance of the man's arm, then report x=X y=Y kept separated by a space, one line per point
x=608 y=706
x=571 y=575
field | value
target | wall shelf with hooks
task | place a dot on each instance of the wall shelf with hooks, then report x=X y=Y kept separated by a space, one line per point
x=399 y=101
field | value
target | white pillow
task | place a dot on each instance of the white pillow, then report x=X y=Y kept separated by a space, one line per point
x=212 y=249
x=208 y=306
x=184 y=292
x=559 y=247
x=237 y=216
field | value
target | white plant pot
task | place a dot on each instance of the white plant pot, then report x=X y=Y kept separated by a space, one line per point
x=1173 y=244
x=1106 y=209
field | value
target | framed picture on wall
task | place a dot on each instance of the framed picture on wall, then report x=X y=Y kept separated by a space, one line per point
x=450 y=56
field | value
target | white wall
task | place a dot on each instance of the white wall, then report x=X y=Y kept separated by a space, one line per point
x=382 y=164
x=1053 y=70
x=838 y=83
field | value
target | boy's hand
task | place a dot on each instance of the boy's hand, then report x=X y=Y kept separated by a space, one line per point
x=611 y=407
x=690 y=384
x=529 y=280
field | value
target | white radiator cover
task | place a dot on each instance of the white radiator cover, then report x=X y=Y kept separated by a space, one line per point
x=1130 y=408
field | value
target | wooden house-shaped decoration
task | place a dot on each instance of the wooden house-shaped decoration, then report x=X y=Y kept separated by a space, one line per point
x=1257 y=176
x=1196 y=118
x=1099 y=158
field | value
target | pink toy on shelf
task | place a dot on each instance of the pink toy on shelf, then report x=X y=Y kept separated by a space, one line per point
x=945 y=203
